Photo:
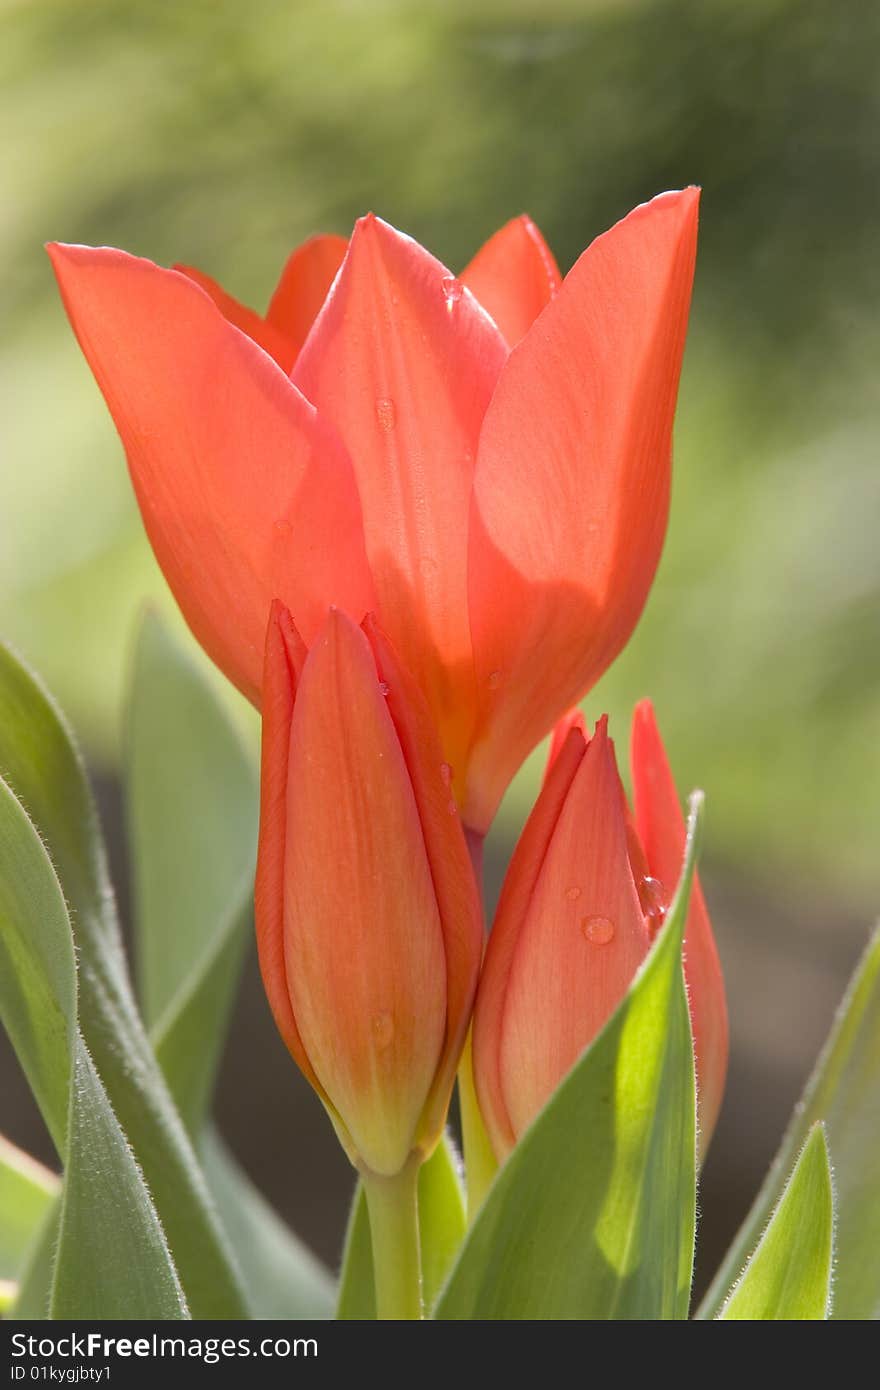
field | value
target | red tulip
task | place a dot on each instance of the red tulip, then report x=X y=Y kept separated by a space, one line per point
x=483 y=461
x=368 y=922
x=580 y=905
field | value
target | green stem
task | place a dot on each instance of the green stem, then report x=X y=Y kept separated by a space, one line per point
x=394 y=1228
x=480 y=1163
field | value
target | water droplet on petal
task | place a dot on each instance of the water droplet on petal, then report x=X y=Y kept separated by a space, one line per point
x=384 y=687
x=447 y=773
x=452 y=291
x=573 y=893
x=283 y=530
x=598 y=930
x=386 y=414
x=382 y=1028
x=494 y=680
x=452 y=808
x=652 y=896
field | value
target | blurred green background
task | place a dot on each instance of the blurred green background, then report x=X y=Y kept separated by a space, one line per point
x=220 y=134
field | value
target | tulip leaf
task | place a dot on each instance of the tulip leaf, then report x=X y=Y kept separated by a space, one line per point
x=111 y=1257
x=283 y=1279
x=35 y=1281
x=357 y=1290
x=27 y=1193
x=192 y=797
x=442 y=1218
x=441 y=1225
x=37 y=970
x=38 y=760
x=788 y=1277
x=592 y=1216
x=842 y=1093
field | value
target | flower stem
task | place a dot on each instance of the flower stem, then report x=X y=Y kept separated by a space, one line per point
x=480 y=1163
x=393 y=1207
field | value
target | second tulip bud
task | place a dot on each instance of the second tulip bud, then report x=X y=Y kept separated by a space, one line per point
x=581 y=904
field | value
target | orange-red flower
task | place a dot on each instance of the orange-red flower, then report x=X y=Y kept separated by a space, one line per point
x=484 y=461
x=369 y=927
x=584 y=897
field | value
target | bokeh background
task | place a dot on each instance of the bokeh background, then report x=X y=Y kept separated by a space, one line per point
x=220 y=134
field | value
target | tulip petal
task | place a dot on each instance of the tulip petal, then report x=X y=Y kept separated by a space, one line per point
x=571 y=488
x=455 y=887
x=580 y=944
x=248 y=320
x=574 y=719
x=404 y=360
x=285 y=657
x=304 y=284
x=513 y=906
x=364 y=945
x=661 y=828
x=514 y=275
x=245 y=494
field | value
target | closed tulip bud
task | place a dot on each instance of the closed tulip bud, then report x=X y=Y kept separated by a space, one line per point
x=368 y=920
x=580 y=906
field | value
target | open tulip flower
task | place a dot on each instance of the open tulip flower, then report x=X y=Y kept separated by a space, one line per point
x=483 y=461
x=584 y=897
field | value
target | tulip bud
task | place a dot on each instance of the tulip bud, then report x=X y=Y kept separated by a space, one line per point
x=368 y=920
x=568 y=937
x=660 y=826
x=581 y=903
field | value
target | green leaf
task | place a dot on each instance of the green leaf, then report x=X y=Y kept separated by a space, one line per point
x=592 y=1216
x=357 y=1290
x=35 y=1283
x=39 y=761
x=788 y=1278
x=193 y=804
x=842 y=1093
x=112 y=1260
x=283 y=1279
x=111 y=1245
x=441 y=1227
x=27 y=1193
x=37 y=972
x=442 y=1218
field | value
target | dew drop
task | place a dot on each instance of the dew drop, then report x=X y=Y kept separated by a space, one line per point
x=652 y=896
x=384 y=688
x=572 y=893
x=386 y=413
x=452 y=808
x=382 y=1027
x=494 y=680
x=452 y=291
x=283 y=530
x=447 y=773
x=598 y=930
